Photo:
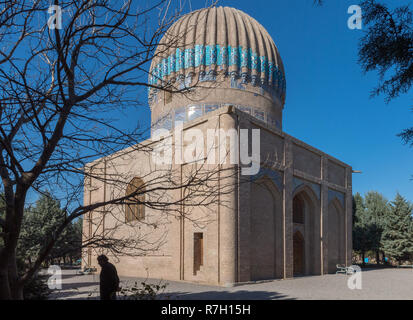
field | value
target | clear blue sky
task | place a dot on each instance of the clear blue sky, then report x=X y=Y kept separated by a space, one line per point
x=328 y=97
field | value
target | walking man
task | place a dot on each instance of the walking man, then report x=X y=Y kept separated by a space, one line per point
x=109 y=280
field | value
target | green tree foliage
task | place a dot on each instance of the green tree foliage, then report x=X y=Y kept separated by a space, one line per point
x=377 y=211
x=40 y=223
x=387 y=46
x=407 y=136
x=370 y=216
x=398 y=231
x=367 y=229
x=36 y=288
x=382 y=227
x=361 y=238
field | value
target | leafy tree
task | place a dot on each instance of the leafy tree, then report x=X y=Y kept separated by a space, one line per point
x=39 y=225
x=387 y=47
x=358 y=207
x=37 y=288
x=370 y=216
x=377 y=212
x=398 y=232
x=69 y=244
x=365 y=231
x=361 y=239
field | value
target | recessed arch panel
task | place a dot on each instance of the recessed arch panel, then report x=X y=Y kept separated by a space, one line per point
x=307 y=221
x=266 y=230
x=336 y=235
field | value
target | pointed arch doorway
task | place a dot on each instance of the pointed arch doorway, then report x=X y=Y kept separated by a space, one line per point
x=298 y=253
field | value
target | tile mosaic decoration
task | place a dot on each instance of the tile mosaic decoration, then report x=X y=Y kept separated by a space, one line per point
x=238 y=62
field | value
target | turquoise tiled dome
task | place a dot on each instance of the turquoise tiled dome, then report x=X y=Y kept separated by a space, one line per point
x=209 y=41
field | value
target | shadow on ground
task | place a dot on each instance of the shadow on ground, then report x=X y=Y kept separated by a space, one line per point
x=74 y=286
x=73 y=294
x=374 y=268
x=71 y=291
x=68 y=276
x=224 y=295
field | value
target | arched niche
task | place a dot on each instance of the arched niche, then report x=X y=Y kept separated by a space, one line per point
x=306 y=220
x=298 y=253
x=266 y=231
x=135 y=205
x=336 y=235
x=298 y=209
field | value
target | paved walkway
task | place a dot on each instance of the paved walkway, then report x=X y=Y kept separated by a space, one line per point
x=376 y=284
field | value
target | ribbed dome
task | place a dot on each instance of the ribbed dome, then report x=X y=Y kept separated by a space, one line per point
x=217 y=40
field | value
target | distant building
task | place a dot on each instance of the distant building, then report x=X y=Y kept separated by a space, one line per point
x=292 y=218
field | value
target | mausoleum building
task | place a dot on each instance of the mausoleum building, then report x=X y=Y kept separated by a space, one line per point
x=222 y=70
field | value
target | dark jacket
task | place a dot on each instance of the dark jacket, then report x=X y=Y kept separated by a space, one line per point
x=109 y=282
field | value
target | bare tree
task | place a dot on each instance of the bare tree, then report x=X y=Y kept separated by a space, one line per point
x=60 y=86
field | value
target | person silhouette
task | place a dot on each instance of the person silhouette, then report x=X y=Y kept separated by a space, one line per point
x=109 y=280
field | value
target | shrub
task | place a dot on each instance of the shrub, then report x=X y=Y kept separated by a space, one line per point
x=36 y=289
x=146 y=291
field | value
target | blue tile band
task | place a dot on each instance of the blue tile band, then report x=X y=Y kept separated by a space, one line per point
x=243 y=63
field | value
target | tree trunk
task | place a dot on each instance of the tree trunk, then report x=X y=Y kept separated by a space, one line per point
x=17 y=292
x=16 y=288
x=377 y=257
x=10 y=286
x=5 y=293
x=362 y=258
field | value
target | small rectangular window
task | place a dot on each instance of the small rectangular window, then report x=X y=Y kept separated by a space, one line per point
x=198 y=251
x=167 y=97
x=135 y=207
